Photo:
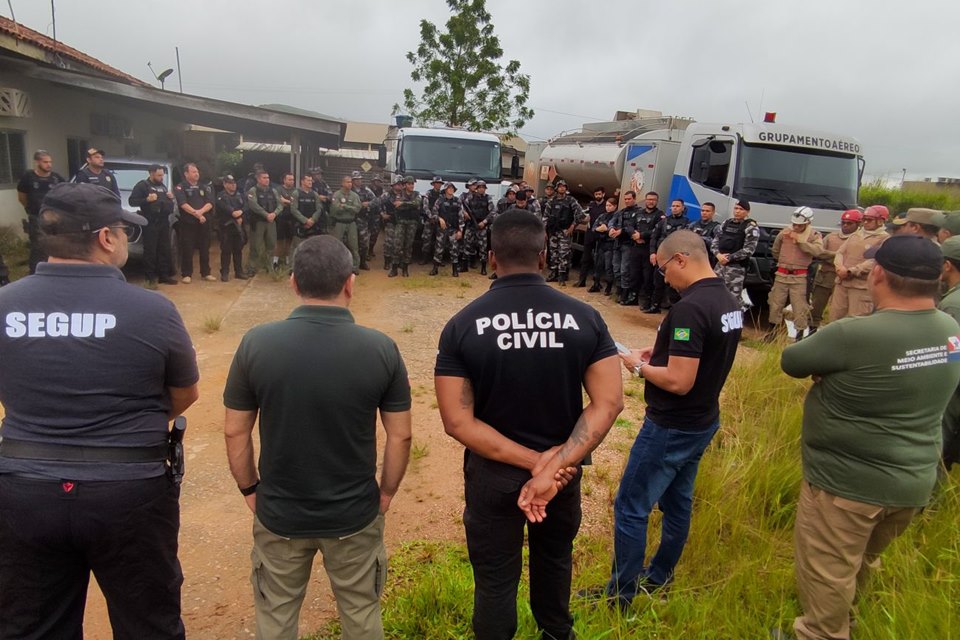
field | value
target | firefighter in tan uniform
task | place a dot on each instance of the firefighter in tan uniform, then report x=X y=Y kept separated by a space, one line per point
x=794 y=249
x=826 y=277
x=851 y=297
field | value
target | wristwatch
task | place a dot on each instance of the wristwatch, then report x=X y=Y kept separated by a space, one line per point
x=638 y=370
x=249 y=491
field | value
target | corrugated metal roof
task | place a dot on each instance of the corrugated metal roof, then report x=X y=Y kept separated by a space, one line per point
x=29 y=36
x=356 y=154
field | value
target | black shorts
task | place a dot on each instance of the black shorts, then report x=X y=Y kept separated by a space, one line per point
x=285 y=227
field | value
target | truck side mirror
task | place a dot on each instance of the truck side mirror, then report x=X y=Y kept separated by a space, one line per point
x=381 y=156
x=725 y=190
x=515 y=167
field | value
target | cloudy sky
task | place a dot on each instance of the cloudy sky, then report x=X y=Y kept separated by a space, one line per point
x=887 y=73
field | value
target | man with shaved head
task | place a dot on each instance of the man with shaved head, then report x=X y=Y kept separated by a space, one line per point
x=684 y=370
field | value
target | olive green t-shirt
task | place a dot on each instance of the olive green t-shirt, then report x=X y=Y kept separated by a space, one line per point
x=871 y=425
x=317 y=379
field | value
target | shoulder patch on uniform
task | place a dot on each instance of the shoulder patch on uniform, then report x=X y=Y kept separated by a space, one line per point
x=681 y=334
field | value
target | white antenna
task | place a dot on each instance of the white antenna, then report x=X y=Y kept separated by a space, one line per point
x=747 y=104
x=762 y=93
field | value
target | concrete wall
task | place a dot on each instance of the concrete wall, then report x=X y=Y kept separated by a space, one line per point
x=60 y=113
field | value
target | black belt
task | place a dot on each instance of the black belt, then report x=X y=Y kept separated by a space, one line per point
x=72 y=453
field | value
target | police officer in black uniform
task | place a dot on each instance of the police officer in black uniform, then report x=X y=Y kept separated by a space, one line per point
x=93 y=370
x=230 y=223
x=510 y=373
x=195 y=203
x=667 y=225
x=155 y=201
x=95 y=173
x=31 y=189
x=706 y=227
x=595 y=209
x=630 y=247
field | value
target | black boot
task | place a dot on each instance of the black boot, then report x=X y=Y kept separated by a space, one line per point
x=436 y=269
x=595 y=288
x=386 y=263
x=582 y=282
x=403 y=267
x=364 y=265
x=653 y=308
x=456 y=271
x=493 y=275
x=629 y=298
x=553 y=276
x=562 y=279
x=464 y=265
x=393 y=271
x=483 y=267
x=607 y=290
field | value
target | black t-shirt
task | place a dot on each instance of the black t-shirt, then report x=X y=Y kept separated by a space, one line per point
x=704 y=324
x=104 y=179
x=317 y=379
x=525 y=348
x=36 y=188
x=86 y=360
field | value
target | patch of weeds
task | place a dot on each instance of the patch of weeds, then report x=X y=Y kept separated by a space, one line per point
x=212 y=324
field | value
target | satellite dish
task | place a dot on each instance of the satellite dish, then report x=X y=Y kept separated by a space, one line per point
x=164 y=75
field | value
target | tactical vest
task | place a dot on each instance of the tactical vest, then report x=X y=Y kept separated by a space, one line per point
x=674 y=223
x=432 y=197
x=479 y=207
x=306 y=203
x=733 y=235
x=232 y=203
x=703 y=229
x=561 y=214
x=449 y=210
x=267 y=199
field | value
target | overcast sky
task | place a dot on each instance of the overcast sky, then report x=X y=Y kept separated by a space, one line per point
x=883 y=72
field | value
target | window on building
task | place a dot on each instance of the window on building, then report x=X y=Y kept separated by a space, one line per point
x=710 y=163
x=13 y=158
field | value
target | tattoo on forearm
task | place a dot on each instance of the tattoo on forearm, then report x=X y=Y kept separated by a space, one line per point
x=581 y=435
x=466 y=394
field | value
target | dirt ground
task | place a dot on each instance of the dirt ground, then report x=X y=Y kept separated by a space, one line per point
x=215 y=534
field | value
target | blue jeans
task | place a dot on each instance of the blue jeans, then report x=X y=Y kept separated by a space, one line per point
x=661 y=470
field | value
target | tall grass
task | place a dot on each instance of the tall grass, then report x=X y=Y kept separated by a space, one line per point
x=736 y=577
x=899 y=200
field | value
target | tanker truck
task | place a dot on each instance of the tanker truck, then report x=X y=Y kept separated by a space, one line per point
x=777 y=168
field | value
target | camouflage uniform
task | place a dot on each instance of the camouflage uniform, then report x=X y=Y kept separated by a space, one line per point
x=793 y=256
x=452 y=213
x=738 y=239
x=388 y=223
x=363 y=222
x=429 y=230
x=344 y=209
x=476 y=235
x=562 y=212
x=408 y=212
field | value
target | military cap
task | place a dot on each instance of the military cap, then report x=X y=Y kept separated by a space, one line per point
x=480 y=183
x=398 y=180
x=449 y=185
x=951 y=248
x=471 y=181
x=315 y=170
x=949 y=221
x=377 y=178
x=410 y=180
x=549 y=186
x=229 y=178
x=436 y=179
x=561 y=183
x=355 y=175
x=93 y=151
x=923 y=216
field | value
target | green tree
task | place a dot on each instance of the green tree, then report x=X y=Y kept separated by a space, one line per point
x=465 y=84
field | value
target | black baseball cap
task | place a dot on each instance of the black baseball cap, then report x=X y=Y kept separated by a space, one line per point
x=91 y=206
x=229 y=178
x=93 y=151
x=909 y=256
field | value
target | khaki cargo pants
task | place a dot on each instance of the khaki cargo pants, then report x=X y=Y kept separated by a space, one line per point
x=792 y=288
x=838 y=543
x=356 y=566
x=849 y=301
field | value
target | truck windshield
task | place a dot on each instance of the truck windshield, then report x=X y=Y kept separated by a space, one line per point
x=450 y=158
x=792 y=176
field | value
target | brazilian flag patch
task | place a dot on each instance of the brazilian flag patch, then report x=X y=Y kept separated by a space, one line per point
x=681 y=334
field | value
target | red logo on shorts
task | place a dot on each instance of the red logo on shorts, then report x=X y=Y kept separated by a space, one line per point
x=67 y=486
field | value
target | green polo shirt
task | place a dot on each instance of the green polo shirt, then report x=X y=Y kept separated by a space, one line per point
x=871 y=425
x=317 y=379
